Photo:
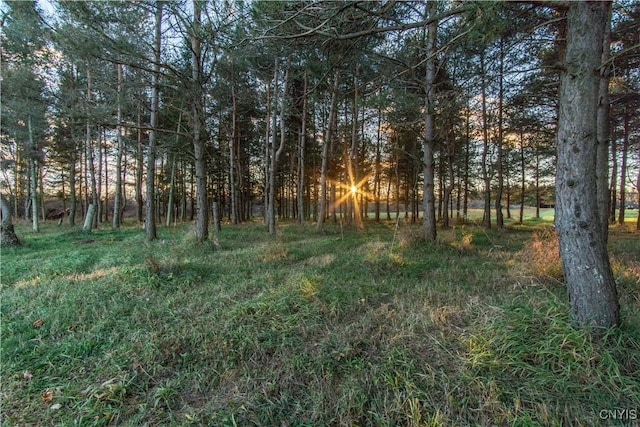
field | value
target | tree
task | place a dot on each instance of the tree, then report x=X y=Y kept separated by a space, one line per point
x=24 y=54
x=591 y=287
x=7 y=233
x=429 y=220
x=202 y=209
x=150 y=202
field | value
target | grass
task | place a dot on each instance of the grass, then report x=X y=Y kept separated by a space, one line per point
x=343 y=327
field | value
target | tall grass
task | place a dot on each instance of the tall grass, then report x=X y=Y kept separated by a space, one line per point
x=343 y=327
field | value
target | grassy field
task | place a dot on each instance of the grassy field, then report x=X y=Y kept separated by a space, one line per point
x=344 y=327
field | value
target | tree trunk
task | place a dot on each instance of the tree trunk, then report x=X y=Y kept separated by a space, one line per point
x=172 y=187
x=271 y=153
x=73 y=199
x=429 y=220
x=353 y=170
x=486 y=178
x=233 y=191
x=90 y=153
x=301 y=152
x=33 y=178
x=638 y=192
x=202 y=204
x=117 y=195
x=150 y=206
x=139 y=167
x=522 y=178
x=623 y=166
x=499 y=142
x=613 y=192
x=378 y=164
x=602 y=154
x=590 y=284
x=322 y=203
x=88 y=220
x=7 y=233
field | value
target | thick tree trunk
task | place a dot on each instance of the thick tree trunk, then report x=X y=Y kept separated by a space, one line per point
x=591 y=288
x=429 y=219
x=602 y=154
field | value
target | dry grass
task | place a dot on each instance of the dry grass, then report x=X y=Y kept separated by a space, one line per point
x=540 y=256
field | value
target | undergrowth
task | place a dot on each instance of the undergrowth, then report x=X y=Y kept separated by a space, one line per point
x=343 y=327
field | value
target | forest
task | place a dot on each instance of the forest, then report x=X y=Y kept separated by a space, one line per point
x=169 y=156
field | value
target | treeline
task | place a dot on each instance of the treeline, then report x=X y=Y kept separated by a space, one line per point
x=295 y=110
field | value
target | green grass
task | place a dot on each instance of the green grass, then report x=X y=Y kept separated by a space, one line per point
x=342 y=327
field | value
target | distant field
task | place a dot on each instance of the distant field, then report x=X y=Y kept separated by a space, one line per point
x=342 y=327
x=546 y=214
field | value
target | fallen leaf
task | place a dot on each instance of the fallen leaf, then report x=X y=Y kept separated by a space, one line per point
x=38 y=322
x=26 y=375
x=47 y=396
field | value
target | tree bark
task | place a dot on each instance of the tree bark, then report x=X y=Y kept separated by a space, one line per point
x=591 y=287
x=486 y=178
x=73 y=199
x=378 y=164
x=499 y=142
x=117 y=195
x=522 y=178
x=8 y=235
x=88 y=220
x=233 y=190
x=150 y=203
x=33 y=179
x=638 y=192
x=271 y=154
x=322 y=203
x=623 y=166
x=301 y=152
x=90 y=152
x=429 y=220
x=139 y=166
x=202 y=204
x=602 y=154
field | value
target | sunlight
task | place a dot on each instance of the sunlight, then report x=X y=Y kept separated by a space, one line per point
x=352 y=190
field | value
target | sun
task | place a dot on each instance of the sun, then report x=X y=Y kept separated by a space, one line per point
x=354 y=189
